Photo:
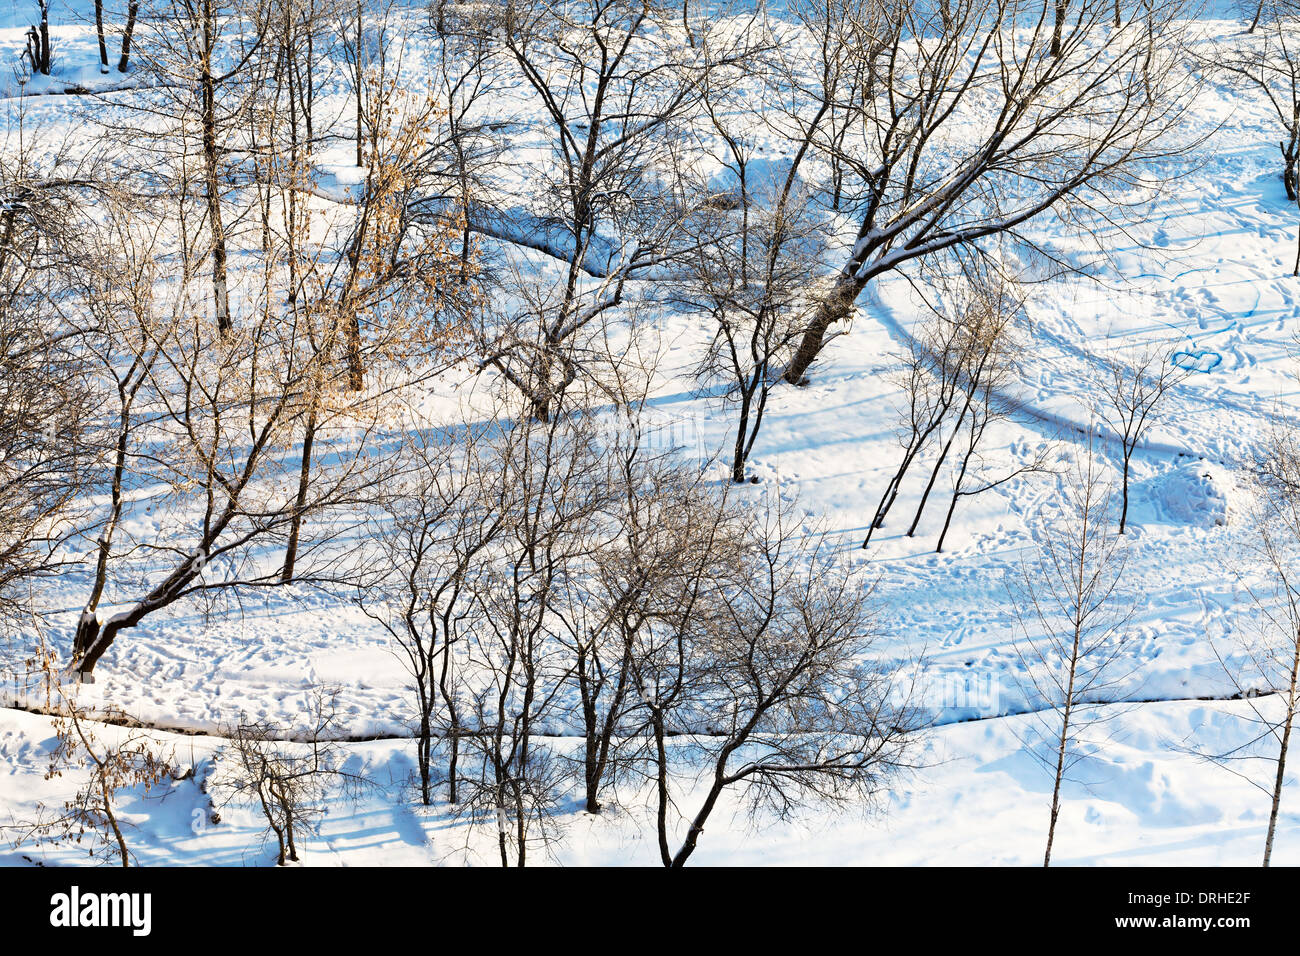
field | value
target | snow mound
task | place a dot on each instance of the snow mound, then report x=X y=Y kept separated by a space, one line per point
x=1200 y=494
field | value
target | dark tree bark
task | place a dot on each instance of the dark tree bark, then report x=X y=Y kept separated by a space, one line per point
x=211 y=165
x=359 y=82
x=45 y=39
x=300 y=504
x=38 y=42
x=934 y=473
x=131 y=12
x=93 y=640
x=99 y=35
x=836 y=307
x=1285 y=743
x=1058 y=28
x=1289 y=152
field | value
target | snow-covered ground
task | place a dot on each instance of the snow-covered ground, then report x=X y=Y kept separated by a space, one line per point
x=981 y=800
x=1205 y=268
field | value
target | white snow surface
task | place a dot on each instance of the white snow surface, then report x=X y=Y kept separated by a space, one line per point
x=1207 y=266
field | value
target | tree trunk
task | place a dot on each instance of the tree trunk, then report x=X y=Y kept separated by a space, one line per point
x=697 y=824
x=424 y=750
x=360 y=156
x=1123 y=513
x=445 y=679
x=591 y=780
x=7 y=236
x=288 y=834
x=502 y=844
x=887 y=500
x=99 y=34
x=300 y=503
x=212 y=181
x=1062 y=742
x=1056 y=792
x=1255 y=22
x=738 y=462
x=97 y=640
x=836 y=307
x=112 y=817
x=661 y=785
x=952 y=506
x=352 y=345
x=88 y=622
x=87 y=648
x=591 y=769
x=131 y=11
x=1059 y=26
x=1288 y=172
x=934 y=474
x=307 y=91
x=45 y=40
x=1285 y=744
x=279 y=839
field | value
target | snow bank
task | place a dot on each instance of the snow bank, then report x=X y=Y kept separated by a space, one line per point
x=1201 y=494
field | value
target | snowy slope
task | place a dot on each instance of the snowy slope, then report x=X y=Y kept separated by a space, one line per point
x=1206 y=267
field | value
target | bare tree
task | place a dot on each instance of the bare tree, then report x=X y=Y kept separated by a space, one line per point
x=435 y=529
x=470 y=143
x=656 y=527
x=1039 y=132
x=118 y=288
x=38 y=40
x=930 y=379
x=610 y=82
x=992 y=349
x=1263 y=662
x=287 y=781
x=748 y=271
x=985 y=306
x=514 y=781
x=222 y=411
x=395 y=260
x=1254 y=20
x=99 y=36
x=773 y=684
x=1135 y=382
x=365 y=41
x=337 y=287
x=47 y=398
x=1269 y=64
x=380 y=294
x=128 y=33
x=121 y=760
x=43 y=401
x=202 y=54
x=1074 y=611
